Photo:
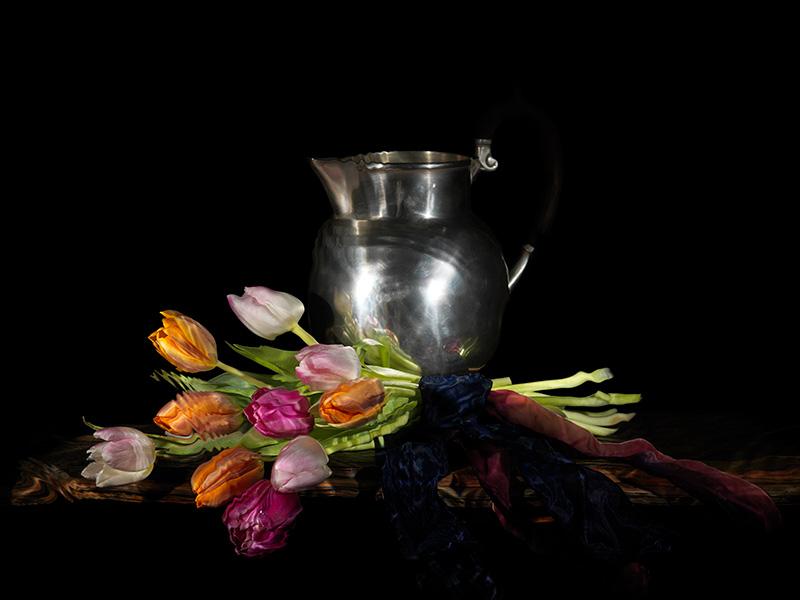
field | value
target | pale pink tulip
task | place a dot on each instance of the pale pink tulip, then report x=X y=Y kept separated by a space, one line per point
x=265 y=312
x=324 y=366
x=301 y=464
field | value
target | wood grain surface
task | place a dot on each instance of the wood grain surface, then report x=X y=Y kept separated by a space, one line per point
x=761 y=458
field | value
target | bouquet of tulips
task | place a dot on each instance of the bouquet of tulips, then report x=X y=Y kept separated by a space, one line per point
x=325 y=398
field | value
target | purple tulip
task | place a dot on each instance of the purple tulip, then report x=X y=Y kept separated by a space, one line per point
x=258 y=521
x=301 y=464
x=126 y=456
x=279 y=413
x=324 y=366
x=265 y=312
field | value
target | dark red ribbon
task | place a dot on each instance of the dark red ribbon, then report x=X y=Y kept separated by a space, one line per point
x=735 y=495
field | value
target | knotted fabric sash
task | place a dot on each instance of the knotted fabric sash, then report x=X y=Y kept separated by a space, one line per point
x=501 y=433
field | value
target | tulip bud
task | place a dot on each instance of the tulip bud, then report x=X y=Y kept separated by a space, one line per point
x=279 y=413
x=301 y=464
x=265 y=312
x=324 y=366
x=258 y=521
x=209 y=414
x=127 y=455
x=352 y=403
x=185 y=343
x=226 y=475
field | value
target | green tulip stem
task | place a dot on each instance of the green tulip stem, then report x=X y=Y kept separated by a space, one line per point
x=243 y=376
x=307 y=338
x=253 y=440
x=91 y=425
x=598 y=376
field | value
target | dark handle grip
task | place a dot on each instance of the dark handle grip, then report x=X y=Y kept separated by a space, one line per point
x=517 y=108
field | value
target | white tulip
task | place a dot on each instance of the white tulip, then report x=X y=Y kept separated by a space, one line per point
x=126 y=456
x=265 y=312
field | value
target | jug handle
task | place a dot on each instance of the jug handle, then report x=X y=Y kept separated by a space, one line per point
x=484 y=161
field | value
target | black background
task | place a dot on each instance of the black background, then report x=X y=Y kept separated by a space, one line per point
x=156 y=179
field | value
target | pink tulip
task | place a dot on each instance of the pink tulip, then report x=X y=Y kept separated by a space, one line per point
x=265 y=312
x=126 y=456
x=258 y=521
x=301 y=464
x=324 y=366
x=279 y=413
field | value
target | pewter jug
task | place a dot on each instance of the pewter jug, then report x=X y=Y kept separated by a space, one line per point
x=405 y=259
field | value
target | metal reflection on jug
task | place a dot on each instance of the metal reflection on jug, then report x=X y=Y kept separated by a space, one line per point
x=404 y=259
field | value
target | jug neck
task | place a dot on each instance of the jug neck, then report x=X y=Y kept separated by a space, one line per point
x=385 y=185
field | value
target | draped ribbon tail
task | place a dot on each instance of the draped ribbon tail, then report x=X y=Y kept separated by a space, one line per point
x=586 y=503
x=439 y=544
x=491 y=466
x=589 y=507
x=737 y=497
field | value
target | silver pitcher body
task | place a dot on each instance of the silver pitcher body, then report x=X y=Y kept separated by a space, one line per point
x=404 y=259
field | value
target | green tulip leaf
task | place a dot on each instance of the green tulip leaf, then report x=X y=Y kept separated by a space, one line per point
x=282 y=362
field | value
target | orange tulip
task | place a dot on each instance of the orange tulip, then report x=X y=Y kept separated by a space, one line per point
x=353 y=402
x=208 y=414
x=226 y=475
x=185 y=343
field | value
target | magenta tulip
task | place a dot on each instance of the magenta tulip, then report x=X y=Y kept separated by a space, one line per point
x=324 y=366
x=279 y=413
x=258 y=521
x=301 y=464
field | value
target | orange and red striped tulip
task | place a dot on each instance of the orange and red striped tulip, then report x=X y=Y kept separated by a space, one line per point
x=226 y=475
x=208 y=414
x=185 y=343
x=352 y=403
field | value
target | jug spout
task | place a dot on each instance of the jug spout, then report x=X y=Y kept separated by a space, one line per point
x=338 y=177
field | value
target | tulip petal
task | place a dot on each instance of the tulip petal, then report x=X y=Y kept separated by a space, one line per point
x=112 y=434
x=279 y=413
x=284 y=481
x=251 y=314
x=172 y=419
x=96 y=451
x=193 y=332
x=128 y=455
x=109 y=477
x=126 y=449
x=92 y=470
x=304 y=452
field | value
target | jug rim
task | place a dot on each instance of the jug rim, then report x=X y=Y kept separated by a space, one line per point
x=406 y=159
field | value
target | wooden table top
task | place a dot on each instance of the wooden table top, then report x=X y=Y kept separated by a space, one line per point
x=761 y=452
